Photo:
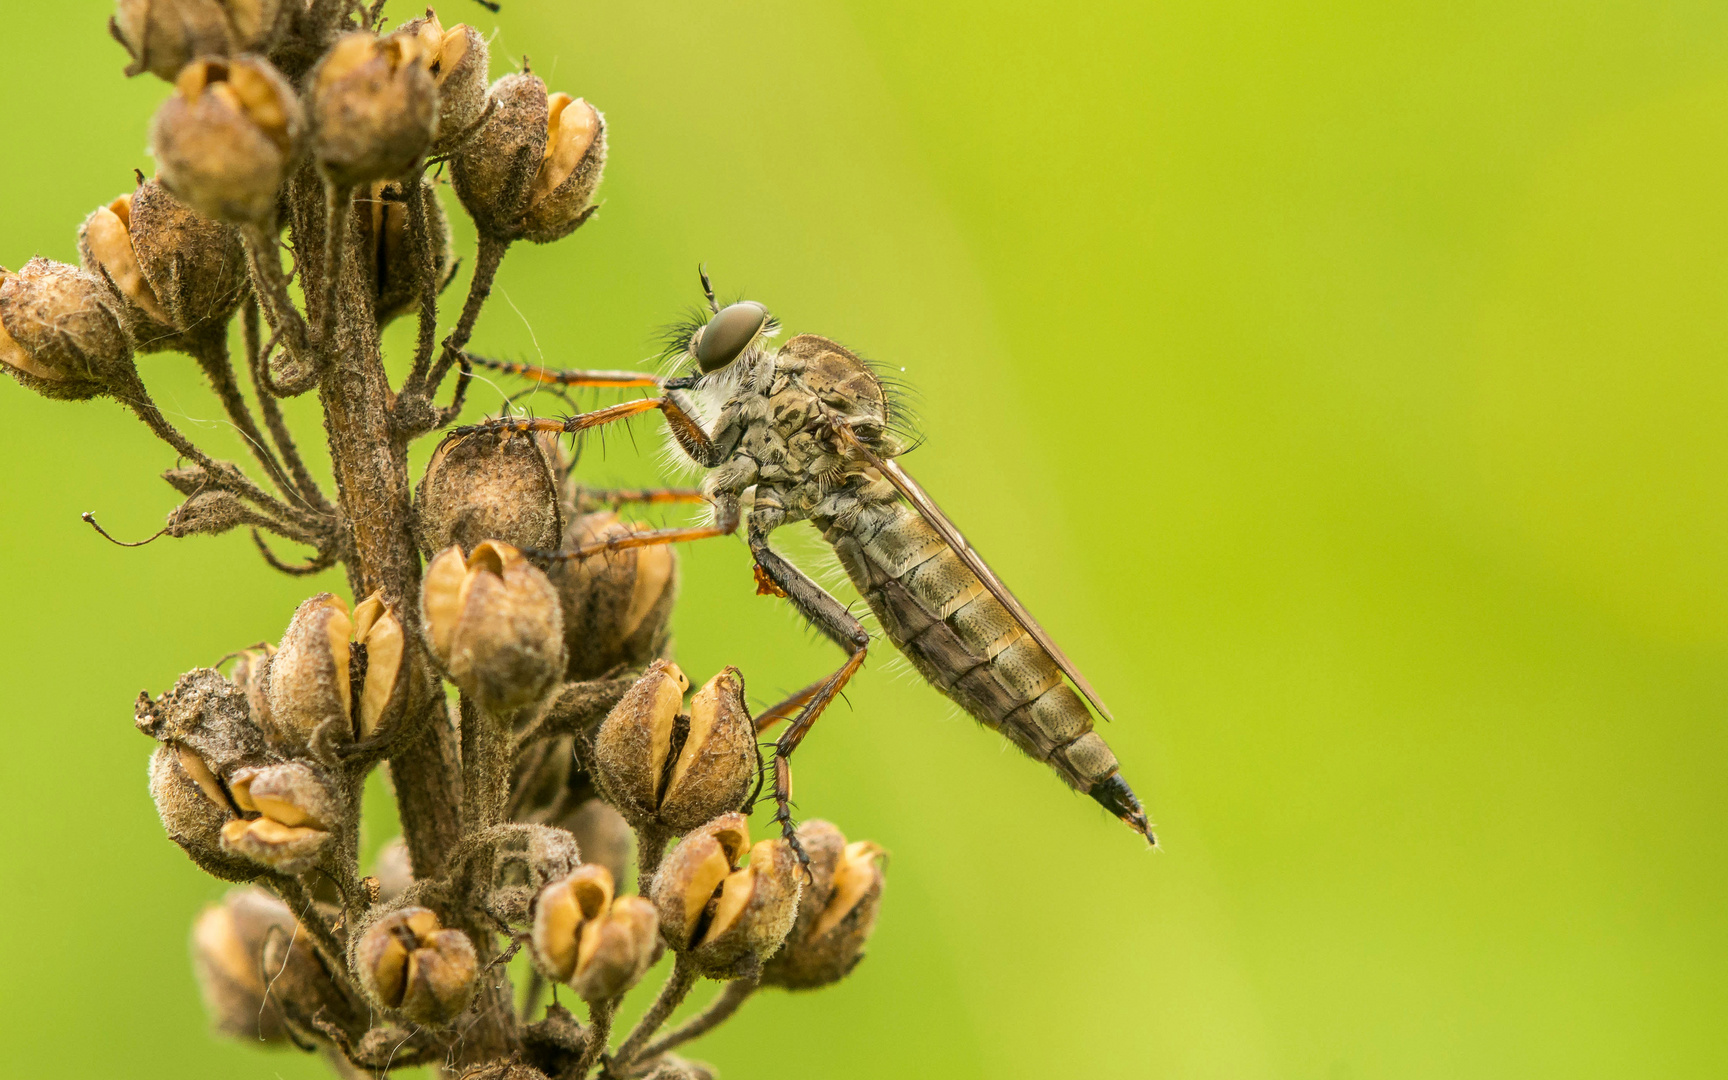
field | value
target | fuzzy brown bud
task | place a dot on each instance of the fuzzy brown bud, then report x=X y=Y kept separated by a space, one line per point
x=391 y=258
x=227 y=139
x=194 y=807
x=414 y=968
x=59 y=332
x=297 y=812
x=484 y=487
x=178 y=274
x=228 y=942
x=602 y=835
x=163 y=36
x=374 y=107
x=677 y=770
x=673 y=1067
x=531 y=171
x=836 y=914
x=457 y=60
x=617 y=605
x=494 y=623
x=210 y=513
x=727 y=917
x=393 y=869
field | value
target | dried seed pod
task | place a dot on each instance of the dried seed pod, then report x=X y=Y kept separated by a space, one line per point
x=308 y=686
x=227 y=139
x=60 y=334
x=835 y=915
x=394 y=870
x=374 y=107
x=677 y=771
x=413 y=968
x=504 y=1070
x=179 y=275
x=494 y=624
x=673 y=1067
x=297 y=812
x=490 y=488
x=378 y=638
x=194 y=808
x=250 y=667
x=228 y=958
x=523 y=865
x=617 y=606
x=210 y=513
x=602 y=835
x=531 y=171
x=388 y=243
x=726 y=917
x=457 y=60
x=163 y=36
x=584 y=936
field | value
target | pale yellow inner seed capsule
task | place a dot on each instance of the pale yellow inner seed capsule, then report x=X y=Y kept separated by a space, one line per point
x=735 y=896
x=707 y=877
x=287 y=813
x=444 y=591
x=852 y=879
x=338 y=628
x=424 y=924
x=109 y=236
x=704 y=713
x=202 y=776
x=668 y=696
x=271 y=831
x=571 y=125
x=13 y=355
x=378 y=630
x=591 y=888
x=260 y=103
x=653 y=570
x=455 y=47
x=559 y=919
x=347 y=56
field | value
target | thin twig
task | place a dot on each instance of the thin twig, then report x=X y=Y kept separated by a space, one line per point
x=721 y=1009
x=284 y=318
x=672 y=994
x=279 y=431
x=599 y=1033
x=212 y=357
x=486 y=262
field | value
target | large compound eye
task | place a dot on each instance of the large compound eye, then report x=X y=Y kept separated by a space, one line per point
x=727 y=333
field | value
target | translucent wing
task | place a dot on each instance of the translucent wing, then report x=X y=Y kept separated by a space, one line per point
x=930 y=512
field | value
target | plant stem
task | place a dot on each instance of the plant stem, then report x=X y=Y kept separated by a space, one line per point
x=672 y=994
x=598 y=1035
x=721 y=1009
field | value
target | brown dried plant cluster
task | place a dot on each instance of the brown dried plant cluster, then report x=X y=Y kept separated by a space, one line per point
x=306 y=129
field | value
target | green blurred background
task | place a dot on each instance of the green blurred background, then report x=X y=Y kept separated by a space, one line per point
x=1343 y=386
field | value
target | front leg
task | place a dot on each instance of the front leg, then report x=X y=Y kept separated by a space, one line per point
x=837 y=624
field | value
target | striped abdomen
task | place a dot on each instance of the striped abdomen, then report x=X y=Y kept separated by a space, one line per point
x=964 y=641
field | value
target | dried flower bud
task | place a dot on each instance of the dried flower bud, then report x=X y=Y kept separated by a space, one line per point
x=600 y=945
x=457 y=61
x=227 y=139
x=602 y=835
x=727 y=918
x=413 y=968
x=163 y=36
x=59 y=333
x=178 y=274
x=297 y=813
x=210 y=513
x=531 y=171
x=484 y=487
x=618 y=605
x=228 y=958
x=524 y=863
x=837 y=912
x=394 y=870
x=388 y=243
x=373 y=108
x=671 y=769
x=308 y=685
x=494 y=624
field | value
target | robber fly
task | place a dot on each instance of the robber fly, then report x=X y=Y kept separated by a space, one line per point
x=807 y=432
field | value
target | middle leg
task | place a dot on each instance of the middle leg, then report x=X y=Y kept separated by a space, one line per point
x=837 y=624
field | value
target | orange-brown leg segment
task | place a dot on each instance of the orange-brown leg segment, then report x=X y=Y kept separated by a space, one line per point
x=725 y=523
x=563 y=377
x=598 y=497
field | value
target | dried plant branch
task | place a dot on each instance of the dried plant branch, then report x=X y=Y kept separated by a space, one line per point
x=726 y=1003
x=672 y=993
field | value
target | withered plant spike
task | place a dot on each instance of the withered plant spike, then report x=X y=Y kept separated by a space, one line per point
x=258 y=774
